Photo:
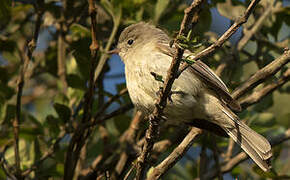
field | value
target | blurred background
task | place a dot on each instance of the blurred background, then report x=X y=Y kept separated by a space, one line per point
x=56 y=77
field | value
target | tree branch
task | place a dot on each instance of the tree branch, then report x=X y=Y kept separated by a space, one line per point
x=262 y=74
x=51 y=150
x=176 y=155
x=21 y=82
x=154 y=118
x=256 y=96
x=81 y=133
x=224 y=37
x=242 y=156
x=248 y=34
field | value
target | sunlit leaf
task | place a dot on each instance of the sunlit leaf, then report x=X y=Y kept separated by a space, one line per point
x=228 y=10
x=159 y=9
x=79 y=30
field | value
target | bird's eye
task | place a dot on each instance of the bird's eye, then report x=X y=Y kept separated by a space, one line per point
x=130 y=41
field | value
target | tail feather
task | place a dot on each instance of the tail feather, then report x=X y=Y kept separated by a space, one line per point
x=254 y=144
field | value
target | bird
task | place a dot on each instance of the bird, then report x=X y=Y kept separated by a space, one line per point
x=198 y=96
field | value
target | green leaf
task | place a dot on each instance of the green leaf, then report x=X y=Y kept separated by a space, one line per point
x=6 y=91
x=82 y=56
x=4 y=75
x=63 y=112
x=265 y=103
x=53 y=125
x=236 y=171
x=29 y=133
x=35 y=121
x=5 y=12
x=188 y=61
x=139 y=14
x=271 y=174
x=204 y=22
x=157 y=77
x=50 y=61
x=10 y=113
x=159 y=9
x=265 y=119
x=115 y=12
x=75 y=81
x=228 y=10
x=112 y=129
x=79 y=30
x=2 y=107
x=7 y=45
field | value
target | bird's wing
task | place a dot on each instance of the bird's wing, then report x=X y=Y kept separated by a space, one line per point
x=208 y=76
x=213 y=81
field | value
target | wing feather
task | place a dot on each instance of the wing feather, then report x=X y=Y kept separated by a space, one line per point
x=208 y=76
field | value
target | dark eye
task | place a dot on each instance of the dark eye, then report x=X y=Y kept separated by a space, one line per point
x=130 y=41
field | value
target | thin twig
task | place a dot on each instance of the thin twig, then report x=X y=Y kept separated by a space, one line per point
x=242 y=156
x=119 y=111
x=256 y=96
x=21 y=82
x=203 y=160
x=176 y=154
x=216 y=159
x=248 y=34
x=51 y=150
x=230 y=149
x=128 y=173
x=109 y=102
x=81 y=134
x=128 y=137
x=154 y=118
x=92 y=171
x=4 y=164
x=224 y=37
x=61 y=67
x=105 y=56
x=262 y=74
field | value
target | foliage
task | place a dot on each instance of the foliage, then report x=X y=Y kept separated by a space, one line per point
x=56 y=81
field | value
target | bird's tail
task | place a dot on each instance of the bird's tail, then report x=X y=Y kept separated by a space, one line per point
x=255 y=145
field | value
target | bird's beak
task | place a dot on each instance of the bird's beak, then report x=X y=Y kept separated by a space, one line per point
x=114 y=51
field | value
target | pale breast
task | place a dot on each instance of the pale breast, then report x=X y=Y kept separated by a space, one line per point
x=143 y=87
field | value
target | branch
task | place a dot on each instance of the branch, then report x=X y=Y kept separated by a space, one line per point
x=224 y=37
x=95 y=168
x=242 y=156
x=131 y=133
x=256 y=96
x=109 y=102
x=81 y=134
x=105 y=56
x=21 y=82
x=154 y=118
x=61 y=48
x=117 y=112
x=262 y=74
x=248 y=34
x=4 y=164
x=176 y=155
x=51 y=150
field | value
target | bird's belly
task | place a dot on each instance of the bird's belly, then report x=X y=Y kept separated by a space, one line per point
x=143 y=88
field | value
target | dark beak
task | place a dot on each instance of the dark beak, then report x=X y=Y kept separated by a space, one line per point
x=114 y=51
